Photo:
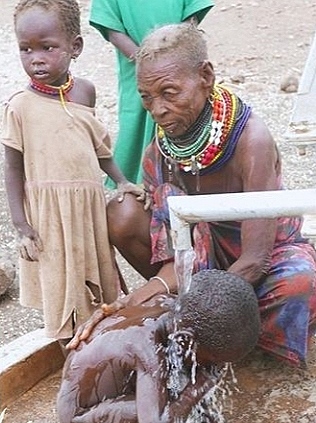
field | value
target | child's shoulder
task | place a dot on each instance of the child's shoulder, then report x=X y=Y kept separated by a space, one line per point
x=18 y=98
x=18 y=95
x=84 y=83
x=85 y=92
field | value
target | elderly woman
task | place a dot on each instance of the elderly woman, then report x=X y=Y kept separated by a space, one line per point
x=209 y=141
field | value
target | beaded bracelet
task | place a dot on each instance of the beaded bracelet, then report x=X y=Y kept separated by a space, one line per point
x=162 y=281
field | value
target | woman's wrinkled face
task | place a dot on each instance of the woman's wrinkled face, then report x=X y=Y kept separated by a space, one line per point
x=173 y=94
x=45 y=49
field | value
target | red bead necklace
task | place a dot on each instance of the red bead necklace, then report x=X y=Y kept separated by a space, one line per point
x=61 y=90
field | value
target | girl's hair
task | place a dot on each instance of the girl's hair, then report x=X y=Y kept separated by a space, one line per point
x=68 y=12
x=183 y=41
x=221 y=309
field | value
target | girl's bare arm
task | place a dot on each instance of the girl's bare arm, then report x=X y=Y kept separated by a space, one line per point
x=30 y=243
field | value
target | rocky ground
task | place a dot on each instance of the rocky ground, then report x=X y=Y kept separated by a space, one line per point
x=254 y=46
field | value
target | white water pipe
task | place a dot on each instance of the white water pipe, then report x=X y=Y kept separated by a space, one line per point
x=236 y=206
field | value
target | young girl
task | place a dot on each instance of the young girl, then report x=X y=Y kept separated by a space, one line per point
x=54 y=148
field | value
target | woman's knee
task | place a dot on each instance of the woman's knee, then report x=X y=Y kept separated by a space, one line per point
x=126 y=219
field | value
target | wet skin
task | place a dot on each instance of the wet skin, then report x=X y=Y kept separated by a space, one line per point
x=120 y=358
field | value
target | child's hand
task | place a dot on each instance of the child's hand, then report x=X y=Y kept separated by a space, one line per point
x=30 y=244
x=140 y=193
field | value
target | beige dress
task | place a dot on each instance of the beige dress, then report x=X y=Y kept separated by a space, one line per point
x=65 y=203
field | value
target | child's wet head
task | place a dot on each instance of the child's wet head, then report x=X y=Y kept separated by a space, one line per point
x=221 y=310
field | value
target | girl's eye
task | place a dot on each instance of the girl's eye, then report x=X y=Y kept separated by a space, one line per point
x=25 y=49
x=49 y=48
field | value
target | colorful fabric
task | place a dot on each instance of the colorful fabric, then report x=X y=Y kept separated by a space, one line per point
x=65 y=203
x=286 y=296
x=136 y=18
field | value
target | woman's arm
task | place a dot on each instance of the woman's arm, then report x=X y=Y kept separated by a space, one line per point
x=259 y=161
x=145 y=292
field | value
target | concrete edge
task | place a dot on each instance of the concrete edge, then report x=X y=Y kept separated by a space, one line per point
x=24 y=362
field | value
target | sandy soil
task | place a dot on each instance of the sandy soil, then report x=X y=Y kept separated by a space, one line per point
x=261 y=42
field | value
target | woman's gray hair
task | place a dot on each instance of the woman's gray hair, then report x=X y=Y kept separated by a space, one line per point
x=183 y=41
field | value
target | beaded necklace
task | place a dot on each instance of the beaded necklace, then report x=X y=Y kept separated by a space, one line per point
x=210 y=144
x=61 y=90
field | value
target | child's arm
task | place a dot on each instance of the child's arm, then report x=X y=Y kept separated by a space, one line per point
x=123 y=185
x=123 y=43
x=30 y=243
x=192 y=394
x=119 y=410
x=151 y=394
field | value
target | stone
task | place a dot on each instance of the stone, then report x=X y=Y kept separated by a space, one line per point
x=237 y=78
x=289 y=84
x=7 y=274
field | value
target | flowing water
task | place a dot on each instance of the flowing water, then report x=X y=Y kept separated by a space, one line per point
x=182 y=347
x=183 y=264
x=210 y=409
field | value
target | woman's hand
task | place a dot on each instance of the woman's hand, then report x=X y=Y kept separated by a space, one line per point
x=84 y=331
x=144 y=293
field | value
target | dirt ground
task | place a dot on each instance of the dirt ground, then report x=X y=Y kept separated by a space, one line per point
x=259 y=43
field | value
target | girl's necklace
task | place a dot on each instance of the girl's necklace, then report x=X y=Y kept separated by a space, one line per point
x=61 y=90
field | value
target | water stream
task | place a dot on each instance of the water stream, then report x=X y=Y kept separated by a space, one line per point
x=182 y=347
x=210 y=409
x=183 y=265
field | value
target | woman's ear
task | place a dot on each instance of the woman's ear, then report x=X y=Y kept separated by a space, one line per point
x=207 y=74
x=77 y=46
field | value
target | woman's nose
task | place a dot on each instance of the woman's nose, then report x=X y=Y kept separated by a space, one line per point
x=158 y=108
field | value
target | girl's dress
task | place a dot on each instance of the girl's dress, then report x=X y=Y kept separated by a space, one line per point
x=136 y=18
x=65 y=203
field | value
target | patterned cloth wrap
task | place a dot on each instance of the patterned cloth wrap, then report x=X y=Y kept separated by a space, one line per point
x=286 y=296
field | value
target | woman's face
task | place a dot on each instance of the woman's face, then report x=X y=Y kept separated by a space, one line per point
x=174 y=94
x=45 y=48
